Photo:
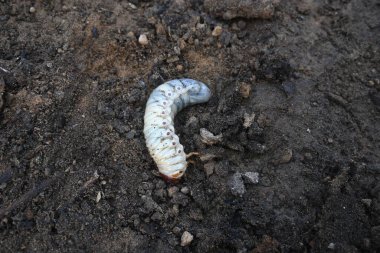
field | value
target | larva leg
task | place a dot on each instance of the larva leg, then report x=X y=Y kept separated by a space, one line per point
x=192 y=154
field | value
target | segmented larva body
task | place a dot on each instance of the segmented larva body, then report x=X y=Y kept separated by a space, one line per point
x=163 y=104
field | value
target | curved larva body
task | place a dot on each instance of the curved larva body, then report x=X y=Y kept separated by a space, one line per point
x=163 y=104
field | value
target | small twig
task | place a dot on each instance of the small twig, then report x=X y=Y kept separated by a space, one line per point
x=3 y=69
x=27 y=197
x=87 y=184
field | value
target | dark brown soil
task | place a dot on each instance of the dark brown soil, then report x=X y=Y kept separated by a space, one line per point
x=75 y=175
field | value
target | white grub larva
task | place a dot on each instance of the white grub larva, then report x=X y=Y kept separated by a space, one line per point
x=163 y=104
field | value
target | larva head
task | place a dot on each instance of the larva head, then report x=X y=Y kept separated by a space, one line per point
x=197 y=91
x=172 y=172
x=173 y=178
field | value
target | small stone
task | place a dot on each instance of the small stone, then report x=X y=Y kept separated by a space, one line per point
x=172 y=190
x=181 y=44
x=131 y=134
x=177 y=50
x=217 y=31
x=248 y=119
x=32 y=10
x=185 y=190
x=209 y=138
x=331 y=246
x=236 y=184
x=131 y=35
x=172 y=59
x=176 y=230
x=143 y=40
x=60 y=50
x=251 y=177
x=179 y=68
x=367 y=202
x=196 y=214
x=180 y=199
x=49 y=65
x=133 y=7
x=289 y=88
x=245 y=90
x=98 y=197
x=175 y=210
x=330 y=140
x=209 y=168
x=263 y=120
x=160 y=29
x=371 y=83
x=285 y=157
x=157 y=216
x=186 y=238
x=160 y=193
x=308 y=156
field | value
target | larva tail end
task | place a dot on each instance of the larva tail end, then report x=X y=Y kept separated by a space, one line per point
x=169 y=179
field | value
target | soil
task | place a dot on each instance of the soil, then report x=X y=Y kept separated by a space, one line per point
x=296 y=97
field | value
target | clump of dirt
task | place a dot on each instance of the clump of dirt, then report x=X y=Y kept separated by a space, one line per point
x=296 y=89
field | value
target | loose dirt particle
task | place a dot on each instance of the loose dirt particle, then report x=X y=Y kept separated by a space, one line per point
x=245 y=90
x=217 y=31
x=209 y=138
x=143 y=40
x=186 y=238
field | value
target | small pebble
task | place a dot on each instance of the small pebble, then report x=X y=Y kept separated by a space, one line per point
x=172 y=191
x=284 y=157
x=217 y=31
x=179 y=67
x=371 y=83
x=181 y=44
x=331 y=246
x=251 y=177
x=367 y=202
x=131 y=35
x=32 y=10
x=176 y=230
x=160 y=29
x=98 y=197
x=237 y=185
x=248 y=119
x=175 y=210
x=143 y=40
x=157 y=216
x=177 y=50
x=330 y=140
x=186 y=238
x=245 y=90
x=209 y=138
x=49 y=65
x=209 y=168
x=185 y=190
